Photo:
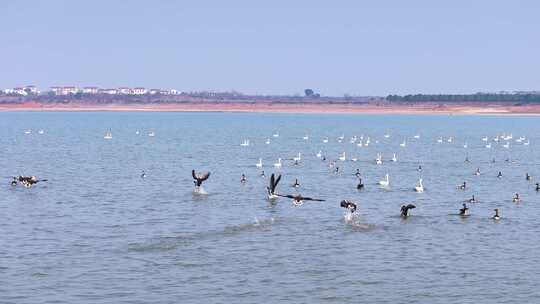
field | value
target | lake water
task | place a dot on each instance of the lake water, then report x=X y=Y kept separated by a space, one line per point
x=96 y=232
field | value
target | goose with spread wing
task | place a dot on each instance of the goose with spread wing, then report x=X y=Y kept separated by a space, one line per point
x=299 y=199
x=198 y=179
x=271 y=189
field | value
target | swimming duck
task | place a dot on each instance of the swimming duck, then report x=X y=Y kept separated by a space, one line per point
x=243 y=179
x=463 y=186
x=516 y=198
x=296 y=183
x=472 y=199
x=496 y=216
x=464 y=211
x=360 y=185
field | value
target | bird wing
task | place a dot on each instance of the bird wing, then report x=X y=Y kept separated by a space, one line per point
x=312 y=199
x=277 y=181
x=272 y=179
x=411 y=206
x=193 y=174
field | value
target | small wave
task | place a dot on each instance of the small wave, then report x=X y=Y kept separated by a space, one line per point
x=256 y=225
x=353 y=220
x=172 y=243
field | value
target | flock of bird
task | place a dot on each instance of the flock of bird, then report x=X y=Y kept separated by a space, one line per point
x=405 y=209
x=272 y=189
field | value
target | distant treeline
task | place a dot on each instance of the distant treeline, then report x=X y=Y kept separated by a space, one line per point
x=80 y=98
x=479 y=97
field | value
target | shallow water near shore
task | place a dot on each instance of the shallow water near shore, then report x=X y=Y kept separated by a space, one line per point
x=96 y=232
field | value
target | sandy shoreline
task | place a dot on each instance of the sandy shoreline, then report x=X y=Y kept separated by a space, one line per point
x=417 y=109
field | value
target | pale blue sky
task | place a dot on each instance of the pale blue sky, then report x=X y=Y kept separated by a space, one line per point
x=274 y=47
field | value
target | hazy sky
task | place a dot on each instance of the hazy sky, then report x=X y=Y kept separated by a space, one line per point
x=274 y=47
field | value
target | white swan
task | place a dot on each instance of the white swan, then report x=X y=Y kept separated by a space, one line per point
x=439 y=140
x=276 y=134
x=28 y=131
x=417 y=136
x=385 y=182
x=527 y=143
x=306 y=137
x=259 y=164
x=41 y=131
x=484 y=138
x=268 y=141
x=319 y=154
x=245 y=143
x=394 y=158
x=465 y=145
x=506 y=145
x=342 y=157
x=278 y=164
x=108 y=135
x=151 y=134
x=378 y=160
x=419 y=187
x=325 y=140
x=450 y=139
x=488 y=146
x=298 y=158
x=403 y=144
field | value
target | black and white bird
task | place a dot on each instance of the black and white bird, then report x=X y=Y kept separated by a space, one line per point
x=496 y=216
x=296 y=183
x=198 y=179
x=271 y=189
x=360 y=185
x=299 y=199
x=349 y=205
x=405 y=209
x=464 y=211
x=27 y=181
